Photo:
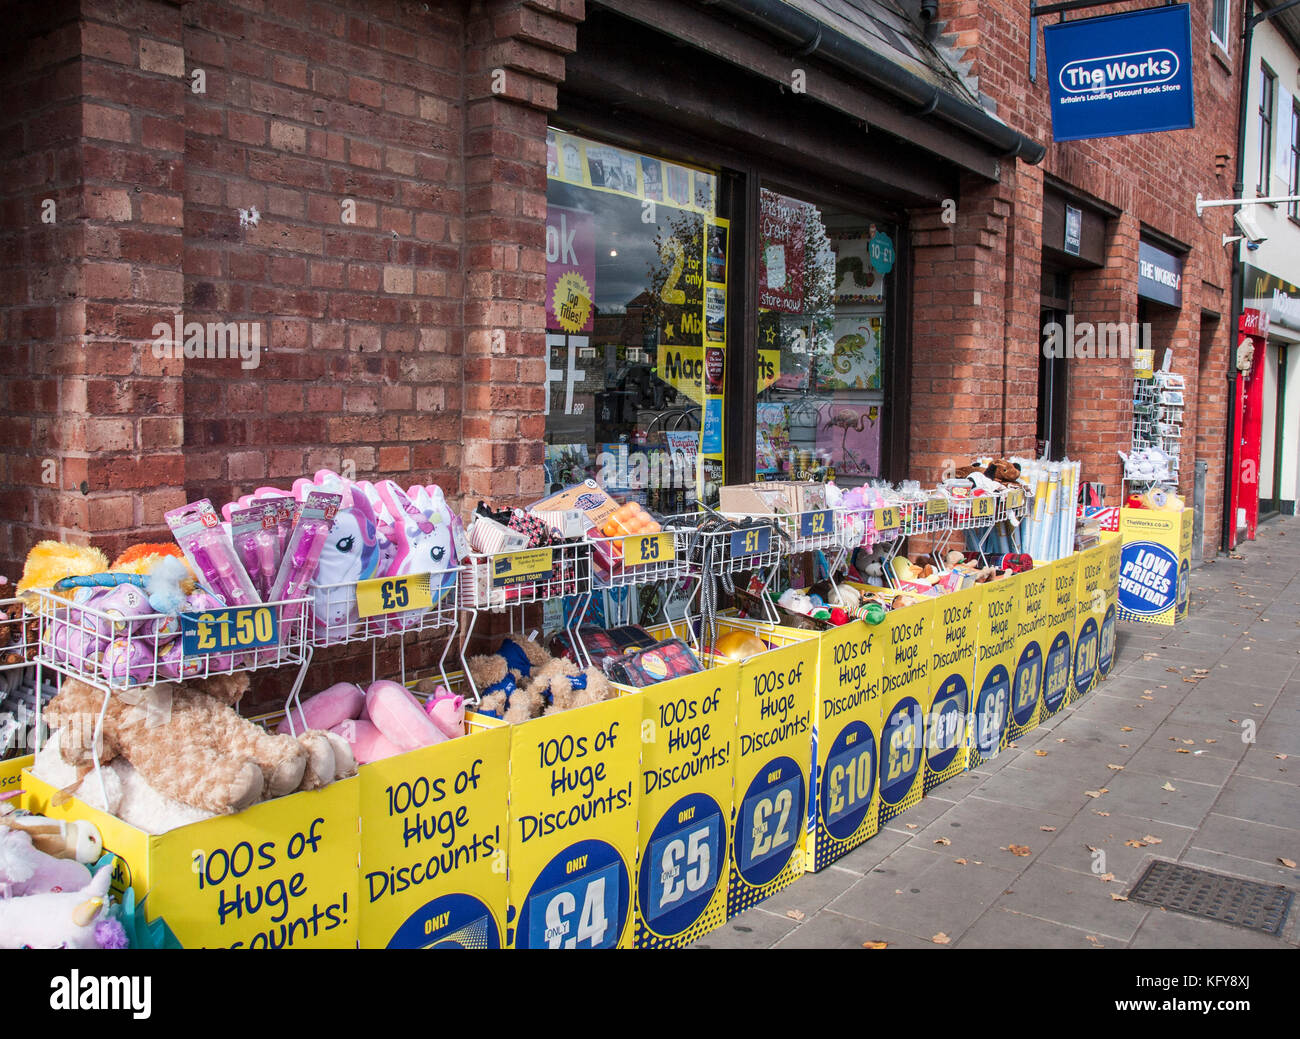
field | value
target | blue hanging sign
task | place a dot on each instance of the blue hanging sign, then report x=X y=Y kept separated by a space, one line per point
x=1121 y=74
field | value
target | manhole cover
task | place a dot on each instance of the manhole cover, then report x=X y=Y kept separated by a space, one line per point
x=1230 y=900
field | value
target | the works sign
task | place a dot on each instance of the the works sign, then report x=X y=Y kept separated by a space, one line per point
x=1121 y=74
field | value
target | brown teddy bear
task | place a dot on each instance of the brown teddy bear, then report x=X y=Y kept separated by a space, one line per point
x=522 y=681
x=187 y=741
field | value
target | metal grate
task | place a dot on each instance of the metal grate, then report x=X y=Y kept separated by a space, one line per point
x=1230 y=900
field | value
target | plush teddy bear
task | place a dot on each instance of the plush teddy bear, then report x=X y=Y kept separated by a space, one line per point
x=521 y=681
x=187 y=741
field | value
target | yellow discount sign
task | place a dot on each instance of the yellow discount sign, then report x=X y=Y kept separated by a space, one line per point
x=433 y=845
x=952 y=675
x=573 y=826
x=1091 y=604
x=1112 y=543
x=393 y=595
x=905 y=702
x=936 y=506
x=995 y=659
x=1030 y=651
x=688 y=738
x=887 y=519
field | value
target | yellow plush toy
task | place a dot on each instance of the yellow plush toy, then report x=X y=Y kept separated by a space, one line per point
x=50 y=561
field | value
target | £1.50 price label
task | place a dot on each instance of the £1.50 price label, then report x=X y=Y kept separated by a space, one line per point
x=393 y=595
x=887 y=518
x=641 y=549
x=816 y=524
x=236 y=627
x=753 y=541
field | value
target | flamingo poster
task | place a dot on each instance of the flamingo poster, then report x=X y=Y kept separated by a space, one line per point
x=848 y=434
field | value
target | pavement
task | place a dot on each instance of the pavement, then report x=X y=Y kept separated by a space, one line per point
x=1193 y=745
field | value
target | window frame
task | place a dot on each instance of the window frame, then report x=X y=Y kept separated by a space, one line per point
x=1221 y=40
x=1293 y=185
x=1266 y=120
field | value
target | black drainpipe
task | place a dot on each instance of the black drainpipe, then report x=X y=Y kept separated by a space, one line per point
x=809 y=37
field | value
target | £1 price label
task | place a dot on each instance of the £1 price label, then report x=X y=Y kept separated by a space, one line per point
x=816 y=524
x=750 y=542
x=641 y=549
x=392 y=595
x=234 y=628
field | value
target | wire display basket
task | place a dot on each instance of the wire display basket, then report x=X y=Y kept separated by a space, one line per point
x=113 y=651
x=359 y=611
x=637 y=559
x=923 y=515
x=985 y=510
x=19 y=635
x=732 y=544
x=814 y=531
x=497 y=581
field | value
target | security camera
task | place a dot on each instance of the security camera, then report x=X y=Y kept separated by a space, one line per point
x=1245 y=221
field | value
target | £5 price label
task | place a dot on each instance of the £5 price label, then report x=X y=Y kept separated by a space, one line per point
x=681 y=868
x=816 y=524
x=641 y=549
x=393 y=595
x=234 y=628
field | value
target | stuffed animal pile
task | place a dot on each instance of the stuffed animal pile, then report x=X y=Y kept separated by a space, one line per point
x=381 y=721
x=521 y=681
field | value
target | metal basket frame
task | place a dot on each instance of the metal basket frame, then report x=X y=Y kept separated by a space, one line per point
x=342 y=597
x=619 y=575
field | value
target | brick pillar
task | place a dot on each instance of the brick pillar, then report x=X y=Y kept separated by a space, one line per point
x=514 y=59
x=94 y=452
x=1023 y=342
x=1099 y=419
x=959 y=290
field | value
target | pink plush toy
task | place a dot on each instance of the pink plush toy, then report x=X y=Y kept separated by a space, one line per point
x=447 y=712
x=400 y=717
x=367 y=742
x=341 y=702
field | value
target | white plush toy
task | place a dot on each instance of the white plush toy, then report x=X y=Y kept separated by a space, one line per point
x=66 y=920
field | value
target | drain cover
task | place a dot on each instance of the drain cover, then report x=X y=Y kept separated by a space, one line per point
x=1230 y=900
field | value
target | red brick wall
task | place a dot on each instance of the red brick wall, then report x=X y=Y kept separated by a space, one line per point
x=1153 y=179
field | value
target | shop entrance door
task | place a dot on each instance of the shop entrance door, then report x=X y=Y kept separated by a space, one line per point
x=1270 y=491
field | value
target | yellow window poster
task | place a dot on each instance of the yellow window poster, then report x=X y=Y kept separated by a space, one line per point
x=573 y=826
x=844 y=805
x=688 y=738
x=952 y=672
x=433 y=845
x=905 y=704
x=774 y=735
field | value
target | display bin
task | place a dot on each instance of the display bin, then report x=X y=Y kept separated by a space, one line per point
x=995 y=658
x=1030 y=653
x=905 y=703
x=952 y=675
x=1058 y=637
x=777 y=694
x=98 y=647
x=923 y=515
x=688 y=747
x=11 y=773
x=361 y=611
x=1090 y=603
x=843 y=794
x=281 y=874
x=639 y=559
x=572 y=849
x=1112 y=543
x=822 y=530
x=497 y=581
x=1155 y=565
x=434 y=826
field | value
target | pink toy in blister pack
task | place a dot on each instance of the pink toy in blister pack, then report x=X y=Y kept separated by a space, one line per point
x=253 y=532
x=210 y=554
x=304 y=550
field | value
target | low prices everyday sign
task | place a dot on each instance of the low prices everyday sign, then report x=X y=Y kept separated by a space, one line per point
x=1121 y=74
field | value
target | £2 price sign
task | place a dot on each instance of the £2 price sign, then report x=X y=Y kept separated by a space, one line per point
x=234 y=628
x=816 y=524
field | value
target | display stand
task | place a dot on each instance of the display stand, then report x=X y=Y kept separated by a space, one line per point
x=983 y=514
x=18 y=639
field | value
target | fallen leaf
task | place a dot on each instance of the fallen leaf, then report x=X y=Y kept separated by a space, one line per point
x=1095 y=942
x=910 y=826
x=1200 y=671
x=1040 y=753
x=1107 y=814
x=1287 y=863
x=942 y=840
x=1211 y=741
x=1123 y=746
x=1181 y=750
x=1190 y=743
x=794 y=914
x=1019 y=850
x=1280 y=757
x=875 y=945
x=1048 y=829
x=1126 y=728
x=1095 y=793
x=941 y=939
x=1153 y=840
x=1168 y=786
x=1119 y=898
x=1135 y=844
x=1116 y=768
x=960 y=862
x=1107 y=877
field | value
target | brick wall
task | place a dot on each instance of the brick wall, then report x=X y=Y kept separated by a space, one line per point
x=1153 y=179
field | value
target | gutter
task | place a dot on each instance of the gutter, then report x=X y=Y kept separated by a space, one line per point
x=811 y=38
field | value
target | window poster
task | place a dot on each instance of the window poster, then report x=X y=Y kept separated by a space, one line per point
x=570 y=269
x=856 y=281
x=848 y=436
x=782 y=229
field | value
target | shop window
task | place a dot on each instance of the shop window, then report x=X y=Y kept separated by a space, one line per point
x=637 y=269
x=1220 y=19
x=1293 y=181
x=822 y=291
x=1267 y=90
